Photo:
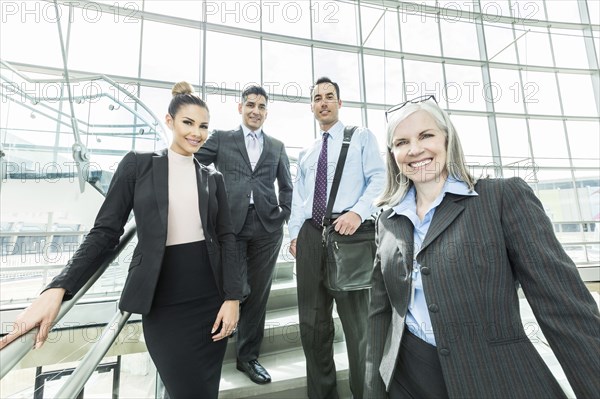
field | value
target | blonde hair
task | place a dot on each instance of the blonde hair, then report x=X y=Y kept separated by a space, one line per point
x=397 y=184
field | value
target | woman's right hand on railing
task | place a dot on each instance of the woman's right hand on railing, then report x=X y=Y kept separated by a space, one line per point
x=41 y=313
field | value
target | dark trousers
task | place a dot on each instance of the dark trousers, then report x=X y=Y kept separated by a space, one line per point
x=418 y=371
x=315 y=306
x=258 y=250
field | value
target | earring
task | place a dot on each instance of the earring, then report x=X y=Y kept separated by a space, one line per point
x=402 y=180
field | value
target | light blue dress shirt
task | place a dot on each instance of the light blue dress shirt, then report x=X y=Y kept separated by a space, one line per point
x=417 y=317
x=362 y=181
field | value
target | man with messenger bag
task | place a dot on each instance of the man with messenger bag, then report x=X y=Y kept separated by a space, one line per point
x=333 y=240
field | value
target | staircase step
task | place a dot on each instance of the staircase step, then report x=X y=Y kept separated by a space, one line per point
x=282 y=333
x=288 y=373
x=284 y=270
x=283 y=295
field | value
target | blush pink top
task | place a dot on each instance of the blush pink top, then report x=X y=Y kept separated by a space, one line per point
x=184 y=223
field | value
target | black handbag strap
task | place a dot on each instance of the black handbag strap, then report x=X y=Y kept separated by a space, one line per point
x=348 y=132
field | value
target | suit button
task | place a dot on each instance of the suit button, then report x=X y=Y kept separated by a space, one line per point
x=433 y=308
x=248 y=195
x=426 y=271
x=444 y=352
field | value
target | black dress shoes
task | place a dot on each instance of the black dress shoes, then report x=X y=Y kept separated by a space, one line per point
x=255 y=371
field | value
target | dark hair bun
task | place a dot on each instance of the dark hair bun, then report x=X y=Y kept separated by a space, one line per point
x=182 y=88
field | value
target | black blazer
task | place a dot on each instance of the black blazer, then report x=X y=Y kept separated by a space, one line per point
x=141 y=183
x=227 y=150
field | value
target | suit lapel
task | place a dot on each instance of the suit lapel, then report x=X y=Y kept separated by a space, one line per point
x=403 y=229
x=444 y=215
x=202 y=178
x=238 y=137
x=160 y=175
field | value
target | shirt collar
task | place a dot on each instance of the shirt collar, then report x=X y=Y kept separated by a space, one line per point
x=336 y=131
x=247 y=131
x=452 y=186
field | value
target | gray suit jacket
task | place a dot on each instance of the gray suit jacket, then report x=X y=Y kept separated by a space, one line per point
x=140 y=183
x=227 y=150
x=476 y=251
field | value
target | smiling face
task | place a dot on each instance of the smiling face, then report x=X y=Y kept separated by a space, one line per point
x=419 y=148
x=189 y=127
x=325 y=105
x=253 y=111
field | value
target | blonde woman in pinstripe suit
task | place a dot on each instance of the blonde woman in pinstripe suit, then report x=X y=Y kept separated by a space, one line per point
x=444 y=319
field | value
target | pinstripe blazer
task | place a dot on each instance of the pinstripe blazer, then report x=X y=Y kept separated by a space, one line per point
x=227 y=150
x=476 y=252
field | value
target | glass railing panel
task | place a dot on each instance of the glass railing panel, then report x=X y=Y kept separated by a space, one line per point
x=571 y=202
x=45 y=214
x=126 y=369
x=43 y=223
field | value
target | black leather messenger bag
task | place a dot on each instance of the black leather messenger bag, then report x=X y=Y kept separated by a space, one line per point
x=348 y=258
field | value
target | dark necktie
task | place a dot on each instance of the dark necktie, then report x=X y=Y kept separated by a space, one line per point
x=320 y=198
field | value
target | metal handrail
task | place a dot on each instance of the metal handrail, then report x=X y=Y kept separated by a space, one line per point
x=15 y=351
x=121 y=104
x=157 y=122
x=92 y=359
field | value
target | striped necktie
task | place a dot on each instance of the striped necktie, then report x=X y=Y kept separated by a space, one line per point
x=320 y=197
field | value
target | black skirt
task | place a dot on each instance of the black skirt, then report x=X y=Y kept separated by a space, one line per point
x=177 y=329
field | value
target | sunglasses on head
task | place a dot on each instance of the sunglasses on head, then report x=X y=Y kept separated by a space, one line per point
x=416 y=100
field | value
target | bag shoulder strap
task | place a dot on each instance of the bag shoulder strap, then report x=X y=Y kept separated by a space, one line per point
x=348 y=132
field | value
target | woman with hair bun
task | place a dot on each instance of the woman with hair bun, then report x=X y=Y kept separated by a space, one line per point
x=183 y=277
